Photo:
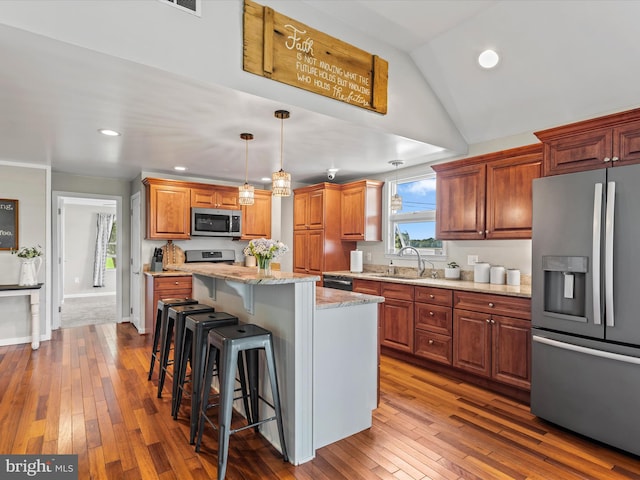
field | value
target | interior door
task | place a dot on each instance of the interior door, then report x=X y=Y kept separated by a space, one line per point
x=136 y=266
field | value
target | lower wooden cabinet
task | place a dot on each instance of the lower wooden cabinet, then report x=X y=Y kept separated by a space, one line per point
x=397 y=323
x=158 y=287
x=489 y=343
x=433 y=324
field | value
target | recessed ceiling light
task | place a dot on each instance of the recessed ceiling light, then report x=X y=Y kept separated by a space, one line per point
x=488 y=59
x=179 y=168
x=110 y=133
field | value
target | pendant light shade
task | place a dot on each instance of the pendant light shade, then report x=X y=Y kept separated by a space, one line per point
x=396 y=200
x=281 y=180
x=245 y=192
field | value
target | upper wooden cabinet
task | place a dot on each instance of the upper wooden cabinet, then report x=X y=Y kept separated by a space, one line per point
x=215 y=196
x=361 y=211
x=256 y=218
x=489 y=196
x=597 y=143
x=310 y=205
x=167 y=209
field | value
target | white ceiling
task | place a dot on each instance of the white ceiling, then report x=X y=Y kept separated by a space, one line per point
x=562 y=61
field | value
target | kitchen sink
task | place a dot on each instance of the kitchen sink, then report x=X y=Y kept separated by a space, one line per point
x=398 y=275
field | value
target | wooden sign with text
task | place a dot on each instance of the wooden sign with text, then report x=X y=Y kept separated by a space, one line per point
x=282 y=49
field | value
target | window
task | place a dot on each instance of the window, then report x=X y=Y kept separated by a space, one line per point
x=415 y=224
x=110 y=262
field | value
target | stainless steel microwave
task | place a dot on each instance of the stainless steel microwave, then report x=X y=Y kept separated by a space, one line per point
x=210 y=222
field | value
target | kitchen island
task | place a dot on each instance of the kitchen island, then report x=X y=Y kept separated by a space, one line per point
x=324 y=345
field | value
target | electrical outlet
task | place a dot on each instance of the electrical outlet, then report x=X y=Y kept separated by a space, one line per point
x=368 y=255
x=472 y=259
x=76 y=280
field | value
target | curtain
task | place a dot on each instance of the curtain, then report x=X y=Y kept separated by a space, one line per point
x=105 y=224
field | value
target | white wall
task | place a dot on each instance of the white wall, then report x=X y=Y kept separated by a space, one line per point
x=29 y=184
x=80 y=230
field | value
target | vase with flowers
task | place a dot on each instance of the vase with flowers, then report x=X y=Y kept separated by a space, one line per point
x=265 y=251
x=31 y=261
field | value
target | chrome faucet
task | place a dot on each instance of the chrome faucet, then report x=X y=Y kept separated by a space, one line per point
x=421 y=266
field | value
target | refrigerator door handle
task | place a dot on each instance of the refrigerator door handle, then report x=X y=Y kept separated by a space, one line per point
x=587 y=351
x=597 y=234
x=608 y=254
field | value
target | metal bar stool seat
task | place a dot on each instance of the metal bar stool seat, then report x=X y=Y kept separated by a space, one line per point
x=175 y=315
x=231 y=342
x=161 y=314
x=197 y=328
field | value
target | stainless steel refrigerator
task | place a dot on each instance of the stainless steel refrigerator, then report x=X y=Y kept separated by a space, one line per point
x=586 y=303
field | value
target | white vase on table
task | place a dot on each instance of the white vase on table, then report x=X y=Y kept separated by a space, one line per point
x=29 y=269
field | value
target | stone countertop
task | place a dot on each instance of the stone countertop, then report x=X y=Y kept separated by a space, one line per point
x=332 y=298
x=509 y=290
x=240 y=274
x=166 y=273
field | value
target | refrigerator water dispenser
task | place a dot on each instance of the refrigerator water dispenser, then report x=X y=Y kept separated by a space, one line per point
x=565 y=286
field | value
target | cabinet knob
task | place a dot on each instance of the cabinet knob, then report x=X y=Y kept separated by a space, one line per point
x=486 y=231
x=491 y=304
x=431 y=313
x=431 y=296
x=177 y=283
x=606 y=159
x=488 y=320
x=430 y=342
x=493 y=321
x=615 y=159
x=480 y=232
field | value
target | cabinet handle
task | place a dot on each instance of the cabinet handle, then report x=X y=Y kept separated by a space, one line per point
x=606 y=159
x=430 y=342
x=491 y=304
x=615 y=159
x=431 y=313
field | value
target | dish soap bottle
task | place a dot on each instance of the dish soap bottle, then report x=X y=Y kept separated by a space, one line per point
x=391 y=269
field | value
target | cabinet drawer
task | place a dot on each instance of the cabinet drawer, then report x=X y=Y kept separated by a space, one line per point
x=439 y=296
x=433 y=346
x=162 y=284
x=493 y=304
x=397 y=291
x=434 y=318
x=371 y=287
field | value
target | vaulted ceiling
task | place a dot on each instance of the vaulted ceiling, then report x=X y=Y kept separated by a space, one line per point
x=561 y=61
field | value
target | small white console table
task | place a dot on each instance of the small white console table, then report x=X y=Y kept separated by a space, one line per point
x=34 y=293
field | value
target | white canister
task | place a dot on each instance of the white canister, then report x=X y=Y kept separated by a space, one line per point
x=497 y=275
x=249 y=261
x=513 y=277
x=481 y=272
x=356 y=261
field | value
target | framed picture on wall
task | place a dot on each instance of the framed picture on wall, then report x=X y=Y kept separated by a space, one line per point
x=8 y=224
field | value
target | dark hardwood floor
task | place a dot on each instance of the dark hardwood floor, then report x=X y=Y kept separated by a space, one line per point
x=86 y=392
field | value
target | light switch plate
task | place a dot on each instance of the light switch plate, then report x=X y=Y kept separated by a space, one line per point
x=472 y=259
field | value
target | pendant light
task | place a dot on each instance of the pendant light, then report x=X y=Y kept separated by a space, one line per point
x=396 y=200
x=245 y=192
x=281 y=180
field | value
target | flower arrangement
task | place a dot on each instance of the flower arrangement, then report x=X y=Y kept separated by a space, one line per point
x=28 y=252
x=265 y=250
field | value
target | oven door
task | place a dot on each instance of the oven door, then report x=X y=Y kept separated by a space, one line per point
x=338 y=282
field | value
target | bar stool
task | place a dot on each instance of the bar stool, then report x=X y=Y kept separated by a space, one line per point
x=232 y=341
x=168 y=328
x=197 y=328
x=163 y=306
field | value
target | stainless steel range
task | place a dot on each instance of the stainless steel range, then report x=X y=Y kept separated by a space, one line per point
x=210 y=256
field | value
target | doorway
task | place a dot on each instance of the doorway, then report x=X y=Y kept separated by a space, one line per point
x=87 y=272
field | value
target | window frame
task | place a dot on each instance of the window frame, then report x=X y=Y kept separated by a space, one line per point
x=393 y=219
x=114 y=234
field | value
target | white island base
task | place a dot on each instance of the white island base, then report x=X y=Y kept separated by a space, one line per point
x=326 y=357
